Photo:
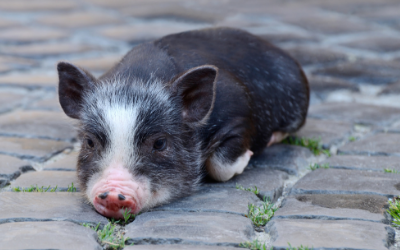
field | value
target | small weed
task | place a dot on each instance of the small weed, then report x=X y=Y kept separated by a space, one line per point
x=255 y=245
x=312 y=144
x=352 y=138
x=298 y=248
x=71 y=188
x=128 y=216
x=253 y=190
x=393 y=171
x=109 y=235
x=32 y=188
x=394 y=211
x=317 y=166
x=261 y=215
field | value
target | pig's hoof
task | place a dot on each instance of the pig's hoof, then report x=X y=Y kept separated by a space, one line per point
x=113 y=204
x=221 y=171
x=277 y=137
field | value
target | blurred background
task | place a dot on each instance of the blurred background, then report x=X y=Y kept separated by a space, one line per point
x=350 y=49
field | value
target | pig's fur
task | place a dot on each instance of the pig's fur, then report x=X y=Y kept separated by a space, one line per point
x=251 y=89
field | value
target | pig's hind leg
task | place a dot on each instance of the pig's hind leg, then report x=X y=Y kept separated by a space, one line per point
x=227 y=161
x=277 y=137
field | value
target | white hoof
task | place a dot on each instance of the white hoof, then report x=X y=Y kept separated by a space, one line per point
x=224 y=171
x=277 y=137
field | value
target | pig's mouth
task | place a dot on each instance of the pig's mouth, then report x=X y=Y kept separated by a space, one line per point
x=113 y=197
x=115 y=205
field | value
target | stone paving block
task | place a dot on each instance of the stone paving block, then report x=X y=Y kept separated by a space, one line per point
x=217 y=200
x=48 y=103
x=4 y=182
x=277 y=38
x=326 y=23
x=334 y=207
x=40 y=124
x=330 y=132
x=47 y=235
x=269 y=182
x=29 y=35
x=362 y=162
x=310 y=55
x=102 y=63
x=11 y=167
x=328 y=84
x=378 y=144
x=377 y=42
x=322 y=87
x=115 y=3
x=10 y=100
x=45 y=50
x=354 y=6
x=393 y=88
x=37 y=5
x=328 y=234
x=30 y=80
x=377 y=72
x=179 y=247
x=7 y=23
x=355 y=112
x=395 y=128
x=31 y=148
x=340 y=181
x=385 y=15
x=19 y=207
x=8 y=63
x=287 y=158
x=147 y=31
x=60 y=179
x=180 y=227
x=175 y=11
x=79 y=19
x=63 y=163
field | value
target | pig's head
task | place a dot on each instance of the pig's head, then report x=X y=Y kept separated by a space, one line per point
x=139 y=145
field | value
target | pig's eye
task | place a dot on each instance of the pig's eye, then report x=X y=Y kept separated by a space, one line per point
x=160 y=144
x=90 y=143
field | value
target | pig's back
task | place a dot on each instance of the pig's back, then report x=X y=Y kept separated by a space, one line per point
x=273 y=86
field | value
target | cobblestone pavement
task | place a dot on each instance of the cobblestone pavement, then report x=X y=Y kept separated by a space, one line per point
x=350 y=50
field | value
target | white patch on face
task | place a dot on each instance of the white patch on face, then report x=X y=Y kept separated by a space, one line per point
x=119 y=104
x=224 y=171
x=121 y=123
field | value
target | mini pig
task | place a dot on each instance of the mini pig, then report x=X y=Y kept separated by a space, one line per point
x=177 y=108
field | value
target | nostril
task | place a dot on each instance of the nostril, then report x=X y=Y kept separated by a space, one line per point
x=121 y=197
x=103 y=195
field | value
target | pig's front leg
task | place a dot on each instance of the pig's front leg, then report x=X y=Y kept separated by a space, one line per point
x=228 y=161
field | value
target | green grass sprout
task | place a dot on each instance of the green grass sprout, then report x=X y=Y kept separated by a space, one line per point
x=253 y=190
x=298 y=248
x=71 y=188
x=262 y=214
x=394 y=211
x=393 y=171
x=33 y=188
x=318 y=166
x=109 y=235
x=255 y=245
x=312 y=144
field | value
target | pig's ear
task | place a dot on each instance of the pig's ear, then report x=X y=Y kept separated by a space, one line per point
x=197 y=90
x=72 y=82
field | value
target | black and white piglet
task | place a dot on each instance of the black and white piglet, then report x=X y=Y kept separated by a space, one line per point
x=176 y=108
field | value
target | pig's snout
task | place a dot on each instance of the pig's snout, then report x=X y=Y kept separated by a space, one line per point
x=117 y=191
x=114 y=204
